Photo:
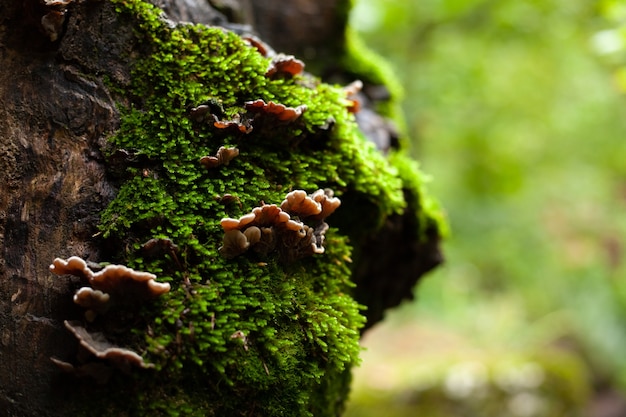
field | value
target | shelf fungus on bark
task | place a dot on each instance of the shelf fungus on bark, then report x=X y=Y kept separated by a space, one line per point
x=99 y=357
x=279 y=111
x=263 y=48
x=223 y=157
x=353 y=96
x=282 y=64
x=212 y=112
x=112 y=287
x=238 y=122
x=101 y=348
x=295 y=229
x=117 y=279
x=313 y=207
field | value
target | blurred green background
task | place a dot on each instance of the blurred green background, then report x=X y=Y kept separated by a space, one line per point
x=517 y=110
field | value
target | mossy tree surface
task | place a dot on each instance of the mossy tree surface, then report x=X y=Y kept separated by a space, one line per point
x=250 y=335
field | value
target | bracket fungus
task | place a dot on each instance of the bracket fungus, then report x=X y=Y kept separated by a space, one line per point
x=239 y=123
x=314 y=207
x=96 y=344
x=282 y=64
x=279 y=111
x=71 y=266
x=353 y=91
x=112 y=278
x=263 y=48
x=111 y=283
x=268 y=225
x=52 y=22
x=223 y=157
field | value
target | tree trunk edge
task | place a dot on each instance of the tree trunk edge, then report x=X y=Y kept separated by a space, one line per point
x=58 y=154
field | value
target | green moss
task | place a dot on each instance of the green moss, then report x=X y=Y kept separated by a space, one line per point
x=249 y=335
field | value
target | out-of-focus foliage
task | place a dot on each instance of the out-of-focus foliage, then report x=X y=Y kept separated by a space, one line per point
x=518 y=111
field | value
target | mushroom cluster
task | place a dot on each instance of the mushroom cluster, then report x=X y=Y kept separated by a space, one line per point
x=256 y=113
x=112 y=284
x=294 y=229
x=279 y=111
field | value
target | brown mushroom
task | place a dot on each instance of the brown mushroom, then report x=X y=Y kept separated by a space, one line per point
x=231 y=224
x=263 y=48
x=72 y=266
x=277 y=110
x=327 y=201
x=124 y=280
x=253 y=234
x=223 y=156
x=284 y=65
x=300 y=204
x=243 y=125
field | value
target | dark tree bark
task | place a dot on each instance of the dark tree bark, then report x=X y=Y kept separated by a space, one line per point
x=56 y=113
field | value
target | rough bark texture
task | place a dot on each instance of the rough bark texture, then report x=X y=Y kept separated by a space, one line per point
x=55 y=116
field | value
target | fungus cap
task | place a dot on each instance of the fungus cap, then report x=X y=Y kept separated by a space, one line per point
x=89 y=298
x=279 y=111
x=223 y=156
x=234 y=243
x=328 y=202
x=74 y=265
x=298 y=203
x=282 y=64
x=120 y=279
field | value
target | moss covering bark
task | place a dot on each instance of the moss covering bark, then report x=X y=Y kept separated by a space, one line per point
x=252 y=335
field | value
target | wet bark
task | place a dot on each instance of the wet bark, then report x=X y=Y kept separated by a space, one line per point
x=55 y=115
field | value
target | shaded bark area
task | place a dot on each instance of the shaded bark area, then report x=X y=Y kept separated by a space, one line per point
x=55 y=115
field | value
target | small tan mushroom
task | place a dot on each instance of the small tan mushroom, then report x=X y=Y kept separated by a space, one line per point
x=223 y=156
x=300 y=204
x=279 y=111
x=353 y=91
x=95 y=301
x=200 y=113
x=269 y=214
x=158 y=247
x=231 y=224
x=263 y=48
x=72 y=266
x=121 y=279
x=328 y=202
x=235 y=243
x=253 y=234
x=265 y=215
x=242 y=125
x=284 y=65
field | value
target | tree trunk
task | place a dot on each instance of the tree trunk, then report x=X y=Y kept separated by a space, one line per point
x=101 y=135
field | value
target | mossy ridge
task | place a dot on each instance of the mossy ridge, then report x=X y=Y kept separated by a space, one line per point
x=299 y=321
